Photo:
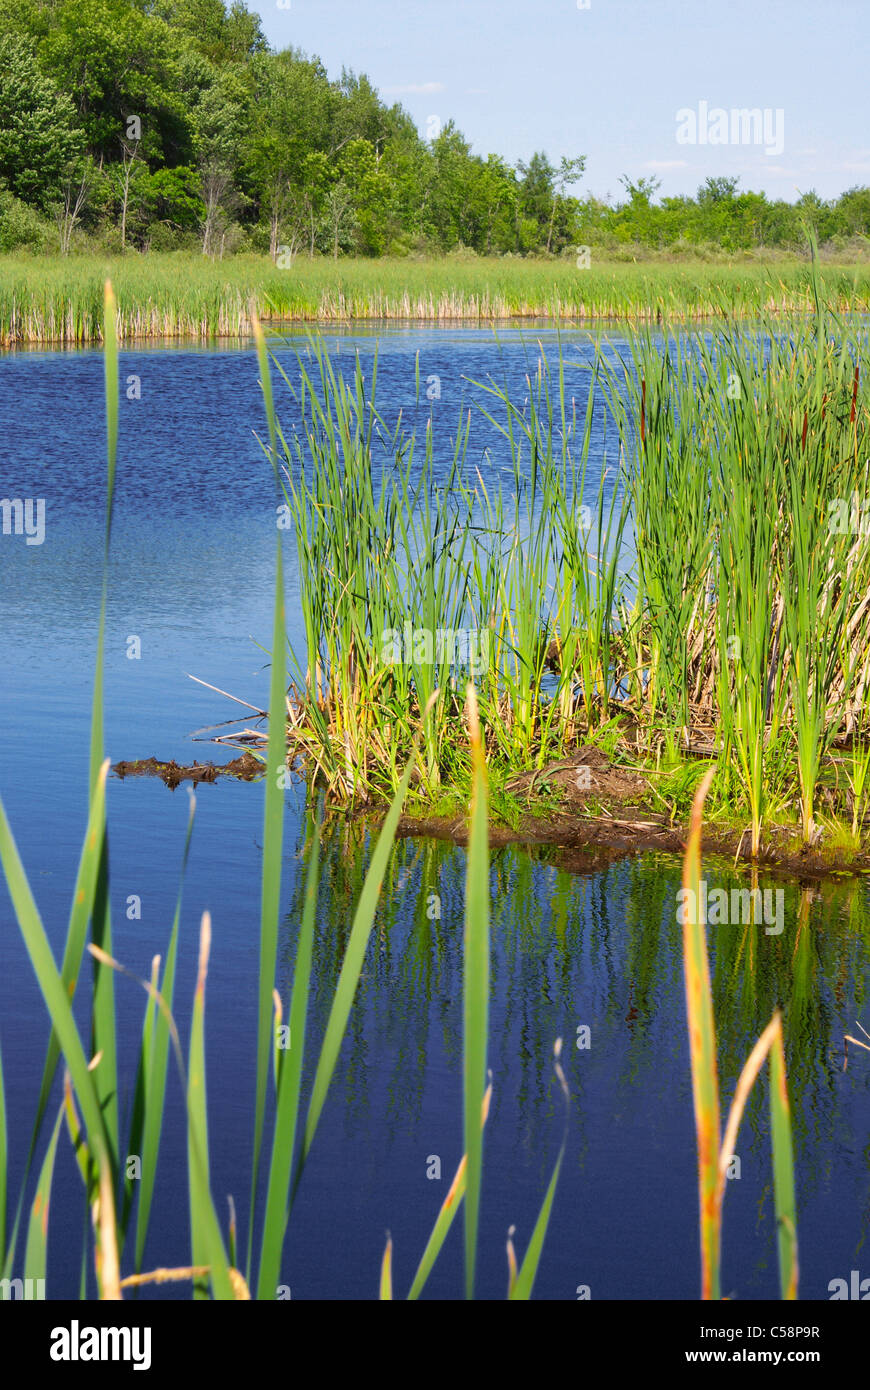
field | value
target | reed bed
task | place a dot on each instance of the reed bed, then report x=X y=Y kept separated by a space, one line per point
x=747 y=476
x=180 y=295
x=713 y=596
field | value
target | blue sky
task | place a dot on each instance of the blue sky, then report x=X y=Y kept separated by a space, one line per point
x=607 y=81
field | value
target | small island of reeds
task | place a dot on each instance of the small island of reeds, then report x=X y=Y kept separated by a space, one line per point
x=701 y=595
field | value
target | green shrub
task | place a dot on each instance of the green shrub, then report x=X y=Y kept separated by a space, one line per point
x=21 y=226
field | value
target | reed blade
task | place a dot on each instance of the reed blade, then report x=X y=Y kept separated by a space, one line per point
x=522 y=1282
x=386 y=1290
x=36 y=1250
x=783 y=1168
x=289 y=1088
x=702 y=1049
x=207 y=1247
x=156 y=1067
x=351 y=967
x=103 y=1039
x=444 y=1220
x=475 y=992
x=273 y=816
x=4 y=1169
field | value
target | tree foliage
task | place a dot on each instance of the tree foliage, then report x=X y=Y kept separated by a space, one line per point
x=140 y=122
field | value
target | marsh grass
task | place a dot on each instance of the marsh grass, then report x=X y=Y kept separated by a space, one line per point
x=180 y=295
x=749 y=468
x=712 y=594
x=413 y=583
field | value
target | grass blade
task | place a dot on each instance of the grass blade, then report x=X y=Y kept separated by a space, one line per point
x=156 y=1070
x=475 y=990
x=352 y=965
x=103 y=1039
x=289 y=1086
x=702 y=1047
x=273 y=817
x=48 y=976
x=207 y=1246
x=521 y=1284
x=386 y=1292
x=35 y=1255
x=783 y=1167
x=444 y=1220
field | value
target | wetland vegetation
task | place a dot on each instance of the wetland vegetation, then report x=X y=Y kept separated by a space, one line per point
x=702 y=597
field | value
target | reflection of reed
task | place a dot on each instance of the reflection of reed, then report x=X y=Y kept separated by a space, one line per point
x=601 y=950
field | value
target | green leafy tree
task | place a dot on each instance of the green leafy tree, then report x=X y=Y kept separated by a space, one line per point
x=116 y=60
x=569 y=171
x=852 y=213
x=38 y=134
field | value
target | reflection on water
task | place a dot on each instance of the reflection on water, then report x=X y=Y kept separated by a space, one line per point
x=604 y=951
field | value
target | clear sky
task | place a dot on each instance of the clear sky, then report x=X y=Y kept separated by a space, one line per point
x=607 y=81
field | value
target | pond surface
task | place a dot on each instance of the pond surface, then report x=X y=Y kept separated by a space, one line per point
x=191 y=577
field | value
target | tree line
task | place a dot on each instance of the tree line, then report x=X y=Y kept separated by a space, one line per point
x=163 y=124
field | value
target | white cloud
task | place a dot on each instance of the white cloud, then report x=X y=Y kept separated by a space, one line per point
x=666 y=164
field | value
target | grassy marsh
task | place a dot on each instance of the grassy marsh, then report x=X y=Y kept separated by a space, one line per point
x=178 y=295
x=709 y=603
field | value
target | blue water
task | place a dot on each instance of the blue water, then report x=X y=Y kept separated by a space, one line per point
x=191 y=575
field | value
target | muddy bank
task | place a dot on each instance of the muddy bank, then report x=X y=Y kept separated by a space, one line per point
x=585 y=844
x=589 y=811
x=604 y=815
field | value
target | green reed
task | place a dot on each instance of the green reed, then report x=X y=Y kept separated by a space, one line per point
x=741 y=623
x=746 y=470
x=411 y=585
x=714 y=1148
x=180 y=294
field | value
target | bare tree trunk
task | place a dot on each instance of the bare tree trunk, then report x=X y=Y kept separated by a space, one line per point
x=216 y=186
x=73 y=206
x=129 y=159
x=552 y=220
